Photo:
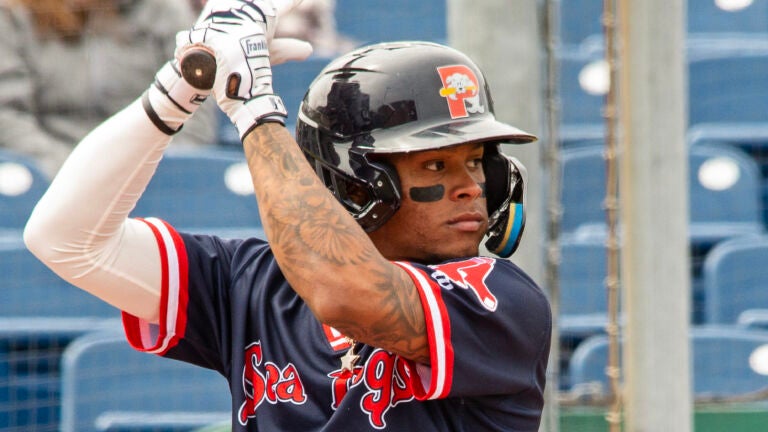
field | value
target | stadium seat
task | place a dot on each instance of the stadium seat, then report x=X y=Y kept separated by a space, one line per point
x=583 y=302
x=568 y=142
x=724 y=190
x=371 y=22
x=22 y=183
x=734 y=19
x=724 y=27
x=725 y=196
x=735 y=278
x=751 y=138
x=203 y=190
x=583 y=81
x=30 y=290
x=583 y=295
x=727 y=361
x=728 y=88
x=583 y=187
x=755 y=318
x=108 y=386
x=580 y=23
x=711 y=25
x=39 y=315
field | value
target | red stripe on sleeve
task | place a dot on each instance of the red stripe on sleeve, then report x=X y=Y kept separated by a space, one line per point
x=439 y=336
x=159 y=338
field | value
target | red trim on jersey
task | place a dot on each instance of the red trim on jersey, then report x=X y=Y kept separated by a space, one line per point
x=159 y=338
x=438 y=335
x=336 y=339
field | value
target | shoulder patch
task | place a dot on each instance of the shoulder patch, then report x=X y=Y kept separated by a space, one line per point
x=469 y=274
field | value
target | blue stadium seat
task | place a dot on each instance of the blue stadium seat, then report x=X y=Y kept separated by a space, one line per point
x=203 y=190
x=725 y=201
x=583 y=187
x=583 y=294
x=22 y=183
x=736 y=278
x=724 y=192
x=710 y=27
x=39 y=315
x=725 y=198
x=707 y=19
x=726 y=361
x=108 y=386
x=751 y=138
x=568 y=142
x=755 y=318
x=580 y=22
x=370 y=22
x=582 y=86
x=30 y=290
x=728 y=88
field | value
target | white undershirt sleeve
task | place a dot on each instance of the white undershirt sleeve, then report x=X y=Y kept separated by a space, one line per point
x=80 y=228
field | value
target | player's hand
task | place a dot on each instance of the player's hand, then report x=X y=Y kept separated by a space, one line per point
x=239 y=34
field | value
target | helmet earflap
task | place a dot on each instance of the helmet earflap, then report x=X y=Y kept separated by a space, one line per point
x=368 y=189
x=505 y=195
x=381 y=189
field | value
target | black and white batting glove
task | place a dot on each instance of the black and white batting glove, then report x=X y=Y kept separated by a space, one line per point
x=239 y=34
x=171 y=100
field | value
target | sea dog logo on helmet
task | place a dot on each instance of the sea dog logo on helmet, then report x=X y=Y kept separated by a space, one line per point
x=460 y=90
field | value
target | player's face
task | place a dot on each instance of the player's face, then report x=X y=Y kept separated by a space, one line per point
x=443 y=213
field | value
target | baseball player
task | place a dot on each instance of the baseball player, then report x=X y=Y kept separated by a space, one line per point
x=369 y=306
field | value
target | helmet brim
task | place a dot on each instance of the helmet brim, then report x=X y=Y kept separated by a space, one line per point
x=405 y=139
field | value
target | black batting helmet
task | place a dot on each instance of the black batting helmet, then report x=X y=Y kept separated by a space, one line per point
x=401 y=97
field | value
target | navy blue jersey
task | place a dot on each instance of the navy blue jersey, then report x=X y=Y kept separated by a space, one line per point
x=226 y=306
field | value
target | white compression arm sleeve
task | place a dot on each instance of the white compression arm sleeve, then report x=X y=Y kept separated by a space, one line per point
x=80 y=227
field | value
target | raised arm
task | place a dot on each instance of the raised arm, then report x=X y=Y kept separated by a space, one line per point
x=80 y=228
x=325 y=255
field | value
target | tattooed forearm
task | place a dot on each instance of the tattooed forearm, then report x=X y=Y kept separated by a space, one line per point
x=326 y=255
x=295 y=203
x=400 y=325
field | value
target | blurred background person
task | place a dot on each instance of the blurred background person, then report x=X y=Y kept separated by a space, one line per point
x=66 y=65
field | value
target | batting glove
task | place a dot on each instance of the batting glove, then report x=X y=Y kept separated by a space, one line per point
x=239 y=34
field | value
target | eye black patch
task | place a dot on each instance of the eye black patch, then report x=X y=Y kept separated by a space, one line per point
x=427 y=194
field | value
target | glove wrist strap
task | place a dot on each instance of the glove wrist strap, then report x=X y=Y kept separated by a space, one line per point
x=261 y=109
x=168 y=128
x=170 y=100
